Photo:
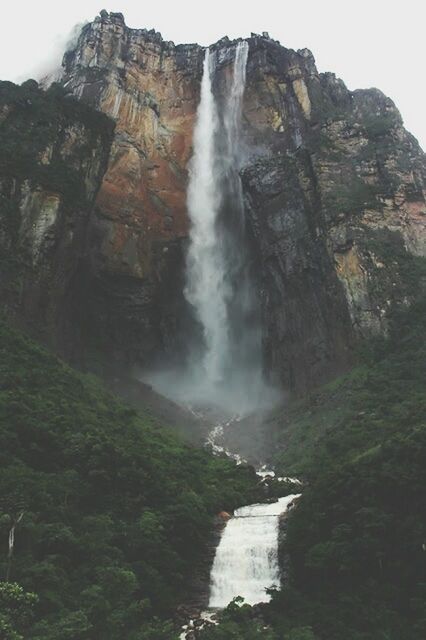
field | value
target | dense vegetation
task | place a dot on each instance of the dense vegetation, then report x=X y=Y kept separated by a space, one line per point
x=111 y=511
x=51 y=147
x=31 y=121
x=356 y=542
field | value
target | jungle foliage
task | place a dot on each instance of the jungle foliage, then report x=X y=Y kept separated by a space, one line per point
x=111 y=511
x=355 y=545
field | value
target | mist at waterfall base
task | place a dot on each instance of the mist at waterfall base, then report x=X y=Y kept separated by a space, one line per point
x=224 y=368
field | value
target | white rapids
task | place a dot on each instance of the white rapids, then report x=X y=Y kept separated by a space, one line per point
x=246 y=561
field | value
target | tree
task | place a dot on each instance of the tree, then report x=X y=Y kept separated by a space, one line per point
x=16 y=611
x=300 y=633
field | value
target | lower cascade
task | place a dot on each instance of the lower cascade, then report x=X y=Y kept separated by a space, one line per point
x=246 y=561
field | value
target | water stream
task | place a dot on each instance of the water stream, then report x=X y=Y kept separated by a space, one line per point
x=225 y=373
x=220 y=290
x=246 y=559
x=228 y=366
x=206 y=288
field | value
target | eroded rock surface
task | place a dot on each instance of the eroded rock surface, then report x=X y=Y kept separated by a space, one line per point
x=334 y=189
x=151 y=89
x=53 y=154
x=335 y=193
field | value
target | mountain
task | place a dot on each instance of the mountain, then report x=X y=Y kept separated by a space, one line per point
x=109 y=514
x=334 y=189
x=53 y=154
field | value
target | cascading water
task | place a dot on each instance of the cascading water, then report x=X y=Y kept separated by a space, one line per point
x=225 y=375
x=224 y=368
x=245 y=376
x=232 y=124
x=226 y=371
x=246 y=560
x=206 y=288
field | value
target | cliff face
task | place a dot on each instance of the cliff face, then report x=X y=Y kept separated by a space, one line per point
x=53 y=153
x=151 y=89
x=334 y=189
x=336 y=196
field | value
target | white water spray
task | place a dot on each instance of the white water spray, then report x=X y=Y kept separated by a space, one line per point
x=218 y=284
x=206 y=283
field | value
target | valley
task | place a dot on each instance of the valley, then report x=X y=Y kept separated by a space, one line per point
x=212 y=354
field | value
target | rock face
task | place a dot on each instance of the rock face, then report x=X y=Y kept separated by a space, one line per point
x=334 y=189
x=53 y=154
x=151 y=89
x=336 y=199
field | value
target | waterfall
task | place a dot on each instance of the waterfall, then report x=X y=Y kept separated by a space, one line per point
x=213 y=259
x=232 y=114
x=206 y=288
x=224 y=360
x=246 y=560
x=219 y=287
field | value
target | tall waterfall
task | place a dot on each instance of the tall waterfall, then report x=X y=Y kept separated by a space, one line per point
x=218 y=282
x=232 y=115
x=224 y=365
x=246 y=560
x=206 y=289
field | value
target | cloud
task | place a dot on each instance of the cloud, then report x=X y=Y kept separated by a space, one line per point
x=49 y=68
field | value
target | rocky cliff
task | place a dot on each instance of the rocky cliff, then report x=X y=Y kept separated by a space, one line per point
x=336 y=198
x=151 y=89
x=334 y=188
x=53 y=154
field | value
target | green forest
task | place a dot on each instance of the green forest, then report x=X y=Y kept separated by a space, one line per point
x=111 y=511
x=356 y=544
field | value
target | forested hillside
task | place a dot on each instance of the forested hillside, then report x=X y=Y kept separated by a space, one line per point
x=111 y=511
x=235 y=243
x=354 y=553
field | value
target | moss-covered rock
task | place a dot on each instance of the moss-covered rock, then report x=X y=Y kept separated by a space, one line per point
x=53 y=153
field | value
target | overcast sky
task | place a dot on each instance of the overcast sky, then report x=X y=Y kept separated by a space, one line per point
x=367 y=43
